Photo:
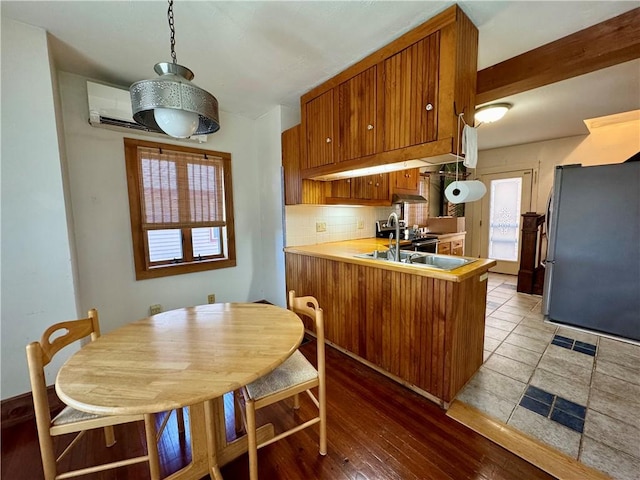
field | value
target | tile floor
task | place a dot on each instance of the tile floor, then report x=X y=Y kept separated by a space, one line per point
x=576 y=391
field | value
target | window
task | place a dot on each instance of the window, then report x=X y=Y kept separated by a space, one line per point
x=181 y=206
x=504 y=218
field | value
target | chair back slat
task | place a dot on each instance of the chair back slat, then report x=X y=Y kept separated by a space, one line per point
x=65 y=333
x=304 y=305
x=310 y=307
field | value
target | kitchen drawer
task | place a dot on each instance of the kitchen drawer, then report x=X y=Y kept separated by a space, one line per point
x=444 y=248
x=457 y=247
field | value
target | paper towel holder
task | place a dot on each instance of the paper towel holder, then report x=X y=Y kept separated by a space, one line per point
x=465 y=191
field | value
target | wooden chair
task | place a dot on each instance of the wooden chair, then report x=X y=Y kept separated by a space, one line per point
x=294 y=376
x=69 y=420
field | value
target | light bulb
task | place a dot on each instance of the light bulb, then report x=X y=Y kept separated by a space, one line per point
x=492 y=113
x=176 y=123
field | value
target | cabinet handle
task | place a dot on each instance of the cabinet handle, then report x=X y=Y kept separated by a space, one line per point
x=348 y=180
x=370 y=182
x=369 y=127
x=328 y=140
x=377 y=184
x=429 y=107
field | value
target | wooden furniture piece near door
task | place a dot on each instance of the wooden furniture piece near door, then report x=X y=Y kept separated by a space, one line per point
x=295 y=376
x=531 y=273
x=186 y=357
x=69 y=420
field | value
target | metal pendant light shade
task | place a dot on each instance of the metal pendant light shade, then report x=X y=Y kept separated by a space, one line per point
x=171 y=103
x=173 y=90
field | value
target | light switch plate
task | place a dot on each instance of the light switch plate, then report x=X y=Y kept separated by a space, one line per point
x=321 y=226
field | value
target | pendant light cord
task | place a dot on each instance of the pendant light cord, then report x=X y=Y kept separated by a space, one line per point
x=173 y=32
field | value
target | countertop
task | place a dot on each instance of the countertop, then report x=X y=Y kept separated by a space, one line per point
x=344 y=251
x=446 y=236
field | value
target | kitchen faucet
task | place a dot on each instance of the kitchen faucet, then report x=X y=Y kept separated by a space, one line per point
x=396 y=253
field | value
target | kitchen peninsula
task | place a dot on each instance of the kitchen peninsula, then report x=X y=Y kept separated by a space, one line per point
x=420 y=326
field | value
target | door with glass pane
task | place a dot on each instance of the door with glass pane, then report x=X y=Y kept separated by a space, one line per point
x=508 y=197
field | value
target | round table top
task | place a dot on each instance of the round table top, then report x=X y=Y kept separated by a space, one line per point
x=178 y=358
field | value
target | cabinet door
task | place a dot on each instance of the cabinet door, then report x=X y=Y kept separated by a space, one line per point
x=357 y=116
x=319 y=126
x=371 y=187
x=407 y=180
x=291 y=166
x=381 y=186
x=410 y=94
x=341 y=188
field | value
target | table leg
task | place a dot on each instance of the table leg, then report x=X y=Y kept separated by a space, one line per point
x=208 y=434
x=199 y=466
x=212 y=420
x=152 y=448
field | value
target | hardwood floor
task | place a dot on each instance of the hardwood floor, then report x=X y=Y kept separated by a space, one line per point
x=377 y=429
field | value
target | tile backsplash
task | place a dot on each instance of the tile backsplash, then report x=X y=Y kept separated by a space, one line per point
x=340 y=223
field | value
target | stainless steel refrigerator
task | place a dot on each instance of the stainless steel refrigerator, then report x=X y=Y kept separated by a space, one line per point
x=592 y=275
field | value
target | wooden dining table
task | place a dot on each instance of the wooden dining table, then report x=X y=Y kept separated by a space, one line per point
x=189 y=357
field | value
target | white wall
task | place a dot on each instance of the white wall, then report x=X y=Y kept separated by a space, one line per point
x=98 y=188
x=37 y=272
x=611 y=144
x=269 y=167
x=290 y=117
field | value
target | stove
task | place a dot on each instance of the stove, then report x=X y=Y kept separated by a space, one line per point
x=420 y=242
x=425 y=243
x=383 y=231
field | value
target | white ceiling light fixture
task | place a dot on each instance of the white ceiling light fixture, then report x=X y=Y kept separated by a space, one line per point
x=492 y=113
x=171 y=103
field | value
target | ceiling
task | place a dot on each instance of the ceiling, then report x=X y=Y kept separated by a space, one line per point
x=255 y=55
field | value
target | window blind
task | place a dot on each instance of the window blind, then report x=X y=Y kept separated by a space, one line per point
x=180 y=190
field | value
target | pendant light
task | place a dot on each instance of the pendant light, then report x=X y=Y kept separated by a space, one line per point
x=171 y=103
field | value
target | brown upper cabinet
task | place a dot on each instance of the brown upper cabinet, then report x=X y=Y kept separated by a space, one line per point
x=296 y=189
x=371 y=187
x=400 y=103
x=411 y=94
x=357 y=116
x=319 y=130
x=406 y=181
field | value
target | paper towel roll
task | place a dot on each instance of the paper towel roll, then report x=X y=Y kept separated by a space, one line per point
x=465 y=191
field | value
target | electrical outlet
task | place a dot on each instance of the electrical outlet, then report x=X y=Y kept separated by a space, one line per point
x=360 y=224
x=321 y=226
x=211 y=298
x=155 y=309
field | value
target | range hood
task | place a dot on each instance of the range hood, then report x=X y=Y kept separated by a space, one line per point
x=405 y=198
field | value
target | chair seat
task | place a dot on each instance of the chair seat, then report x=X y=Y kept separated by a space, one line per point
x=294 y=371
x=71 y=415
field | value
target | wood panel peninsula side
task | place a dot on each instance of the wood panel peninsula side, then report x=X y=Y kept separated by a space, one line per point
x=422 y=327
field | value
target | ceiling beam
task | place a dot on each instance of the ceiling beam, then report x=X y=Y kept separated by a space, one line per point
x=608 y=43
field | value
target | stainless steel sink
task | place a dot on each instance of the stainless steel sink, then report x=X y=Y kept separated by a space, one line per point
x=426 y=260
x=385 y=255
x=441 y=262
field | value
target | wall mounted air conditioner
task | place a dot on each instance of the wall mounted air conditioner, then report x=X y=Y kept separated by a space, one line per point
x=110 y=107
